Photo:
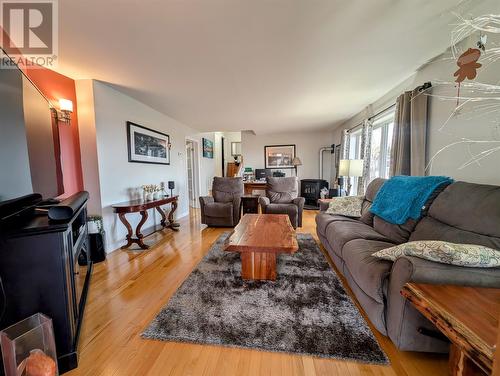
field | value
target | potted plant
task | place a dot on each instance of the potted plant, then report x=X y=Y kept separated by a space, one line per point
x=95 y=224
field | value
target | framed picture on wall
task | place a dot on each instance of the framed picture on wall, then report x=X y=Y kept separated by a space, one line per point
x=208 y=148
x=147 y=145
x=279 y=156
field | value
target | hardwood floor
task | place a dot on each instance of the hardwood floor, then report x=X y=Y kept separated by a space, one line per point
x=130 y=288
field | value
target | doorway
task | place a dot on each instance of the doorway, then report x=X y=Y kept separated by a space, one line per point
x=193 y=174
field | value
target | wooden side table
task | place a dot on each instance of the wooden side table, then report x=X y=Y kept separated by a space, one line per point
x=251 y=186
x=467 y=316
x=141 y=206
x=250 y=204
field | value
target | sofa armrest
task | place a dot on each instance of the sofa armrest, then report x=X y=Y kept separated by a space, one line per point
x=414 y=269
x=263 y=202
x=323 y=205
x=236 y=209
x=403 y=320
x=204 y=201
x=299 y=201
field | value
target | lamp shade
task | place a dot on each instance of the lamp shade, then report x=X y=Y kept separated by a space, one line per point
x=296 y=161
x=66 y=105
x=351 y=167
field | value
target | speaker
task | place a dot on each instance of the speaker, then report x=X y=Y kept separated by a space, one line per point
x=171 y=186
x=66 y=209
x=96 y=245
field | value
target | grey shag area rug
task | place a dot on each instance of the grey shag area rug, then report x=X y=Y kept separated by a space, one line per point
x=305 y=311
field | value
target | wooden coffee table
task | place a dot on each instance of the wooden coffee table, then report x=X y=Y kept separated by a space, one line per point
x=259 y=238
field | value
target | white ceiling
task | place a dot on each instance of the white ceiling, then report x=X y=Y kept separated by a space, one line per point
x=262 y=65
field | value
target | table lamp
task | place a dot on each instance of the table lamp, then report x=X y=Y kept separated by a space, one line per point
x=350 y=168
x=296 y=162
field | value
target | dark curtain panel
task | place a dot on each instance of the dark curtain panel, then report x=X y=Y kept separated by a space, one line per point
x=410 y=133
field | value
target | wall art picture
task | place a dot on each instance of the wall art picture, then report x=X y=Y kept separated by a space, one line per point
x=147 y=145
x=208 y=148
x=279 y=156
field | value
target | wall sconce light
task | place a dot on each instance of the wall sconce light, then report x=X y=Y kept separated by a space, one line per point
x=65 y=111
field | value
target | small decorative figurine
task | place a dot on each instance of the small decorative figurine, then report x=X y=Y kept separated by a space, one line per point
x=468 y=65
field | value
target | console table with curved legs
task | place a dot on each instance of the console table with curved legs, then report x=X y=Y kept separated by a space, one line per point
x=141 y=206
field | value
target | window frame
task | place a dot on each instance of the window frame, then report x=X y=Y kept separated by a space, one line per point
x=383 y=121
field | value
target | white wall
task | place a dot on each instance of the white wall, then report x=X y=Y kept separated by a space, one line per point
x=207 y=165
x=211 y=167
x=217 y=153
x=88 y=145
x=228 y=138
x=13 y=146
x=119 y=179
x=480 y=127
x=307 y=149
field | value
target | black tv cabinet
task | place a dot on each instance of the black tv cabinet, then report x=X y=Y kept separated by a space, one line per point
x=45 y=267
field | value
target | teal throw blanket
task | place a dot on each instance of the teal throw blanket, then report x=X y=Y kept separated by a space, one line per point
x=402 y=197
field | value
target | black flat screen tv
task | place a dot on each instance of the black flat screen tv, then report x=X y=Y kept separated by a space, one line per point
x=30 y=160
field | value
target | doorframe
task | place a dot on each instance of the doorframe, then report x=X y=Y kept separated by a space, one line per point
x=222 y=139
x=196 y=171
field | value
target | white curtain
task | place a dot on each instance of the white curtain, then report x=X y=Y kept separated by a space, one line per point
x=344 y=145
x=366 y=148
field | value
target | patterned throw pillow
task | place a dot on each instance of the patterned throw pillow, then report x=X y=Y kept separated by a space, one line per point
x=475 y=256
x=349 y=206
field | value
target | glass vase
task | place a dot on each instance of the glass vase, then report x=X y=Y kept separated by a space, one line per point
x=28 y=347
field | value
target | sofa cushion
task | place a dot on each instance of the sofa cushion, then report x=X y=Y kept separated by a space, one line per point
x=341 y=232
x=371 y=192
x=432 y=229
x=282 y=190
x=469 y=207
x=401 y=233
x=369 y=272
x=323 y=220
x=366 y=215
x=219 y=209
x=463 y=213
x=349 y=206
x=475 y=256
x=397 y=233
x=226 y=189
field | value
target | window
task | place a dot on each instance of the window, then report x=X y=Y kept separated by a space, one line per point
x=380 y=148
x=355 y=144
x=380 y=154
x=354 y=153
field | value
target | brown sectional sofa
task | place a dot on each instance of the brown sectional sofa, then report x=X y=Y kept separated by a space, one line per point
x=460 y=213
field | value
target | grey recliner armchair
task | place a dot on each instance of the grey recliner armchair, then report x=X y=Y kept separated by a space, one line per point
x=282 y=198
x=222 y=209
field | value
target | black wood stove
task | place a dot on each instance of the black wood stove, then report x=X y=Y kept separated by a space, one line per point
x=310 y=189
